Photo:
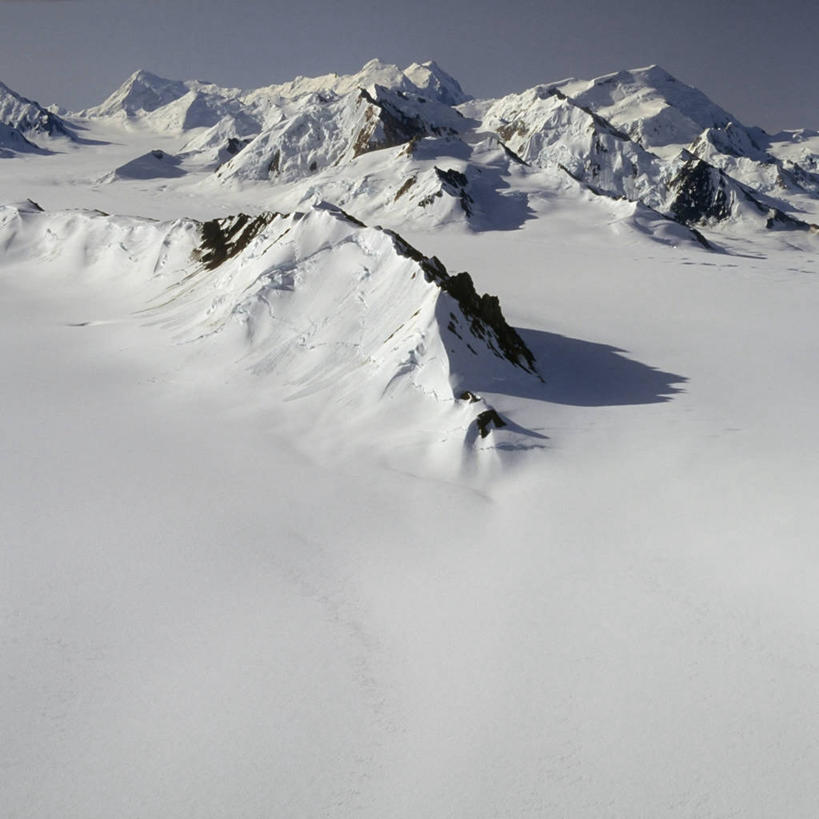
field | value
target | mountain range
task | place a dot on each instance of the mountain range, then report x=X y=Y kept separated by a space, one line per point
x=372 y=450
x=314 y=160
x=431 y=154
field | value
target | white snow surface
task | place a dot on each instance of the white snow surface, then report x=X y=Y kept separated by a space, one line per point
x=256 y=558
x=29 y=117
x=12 y=142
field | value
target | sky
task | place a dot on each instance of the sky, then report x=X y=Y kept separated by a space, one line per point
x=756 y=59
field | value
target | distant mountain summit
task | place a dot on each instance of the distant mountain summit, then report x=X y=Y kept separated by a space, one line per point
x=412 y=145
x=650 y=105
x=29 y=118
x=142 y=92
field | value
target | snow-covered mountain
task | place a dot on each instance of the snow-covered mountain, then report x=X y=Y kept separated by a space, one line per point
x=410 y=143
x=296 y=522
x=29 y=117
x=651 y=106
x=315 y=301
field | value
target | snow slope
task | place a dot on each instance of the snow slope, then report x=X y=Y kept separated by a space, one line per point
x=316 y=302
x=12 y=142
x=29 y=117
x=257 y=559
x=626 y=135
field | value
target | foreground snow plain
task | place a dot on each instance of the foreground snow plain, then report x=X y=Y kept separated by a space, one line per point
x=213 y=606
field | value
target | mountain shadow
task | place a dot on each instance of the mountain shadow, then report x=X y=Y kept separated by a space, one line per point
x=583 y=374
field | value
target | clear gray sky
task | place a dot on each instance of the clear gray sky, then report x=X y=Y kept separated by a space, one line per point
x=759 y=59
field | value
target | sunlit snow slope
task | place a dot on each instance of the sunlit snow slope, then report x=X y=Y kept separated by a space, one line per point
x=293 y=522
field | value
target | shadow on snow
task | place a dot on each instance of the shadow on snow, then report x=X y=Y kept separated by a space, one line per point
x=584 y=374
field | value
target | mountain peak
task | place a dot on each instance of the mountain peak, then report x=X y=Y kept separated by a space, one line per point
x=649 y=104
x=142 y=91
x=432 y=79
x=29 y=117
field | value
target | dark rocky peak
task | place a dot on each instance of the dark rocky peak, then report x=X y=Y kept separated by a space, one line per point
x=703 y=194
x=483 y=315
x=222 y=239
x=398 y=117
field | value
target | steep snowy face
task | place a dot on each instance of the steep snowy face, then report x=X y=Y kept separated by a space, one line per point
x=432 y=81
x=411 y=145
x=176 y=107
x=142 y=92
x=327 y=130
x=29 y=117
x=666 y=116
x=425 y=79
x=548 y=129
x=650 y=105
x=326 y=301
x=797 y=152
x=316 y=300
x=753 y=164
x=725 y=178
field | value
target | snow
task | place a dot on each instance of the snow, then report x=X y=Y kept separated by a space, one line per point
x=256 y=562
x=29 y=117
x=13 y=142
x=650 y=105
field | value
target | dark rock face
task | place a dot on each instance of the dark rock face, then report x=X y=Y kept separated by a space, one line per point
x=706 y=194
x=454 y=183
x=488 y=419
x=398 y=125
x=404 y=188
x=483 y=313
x=234 y=145
x=224 y=238
x=777 y=220
x=702 y=194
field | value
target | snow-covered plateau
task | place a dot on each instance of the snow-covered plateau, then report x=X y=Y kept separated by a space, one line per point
x=371 y=450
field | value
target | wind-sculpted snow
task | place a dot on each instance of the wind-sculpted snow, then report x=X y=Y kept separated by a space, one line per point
x=315 y=301
x=319 y=296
